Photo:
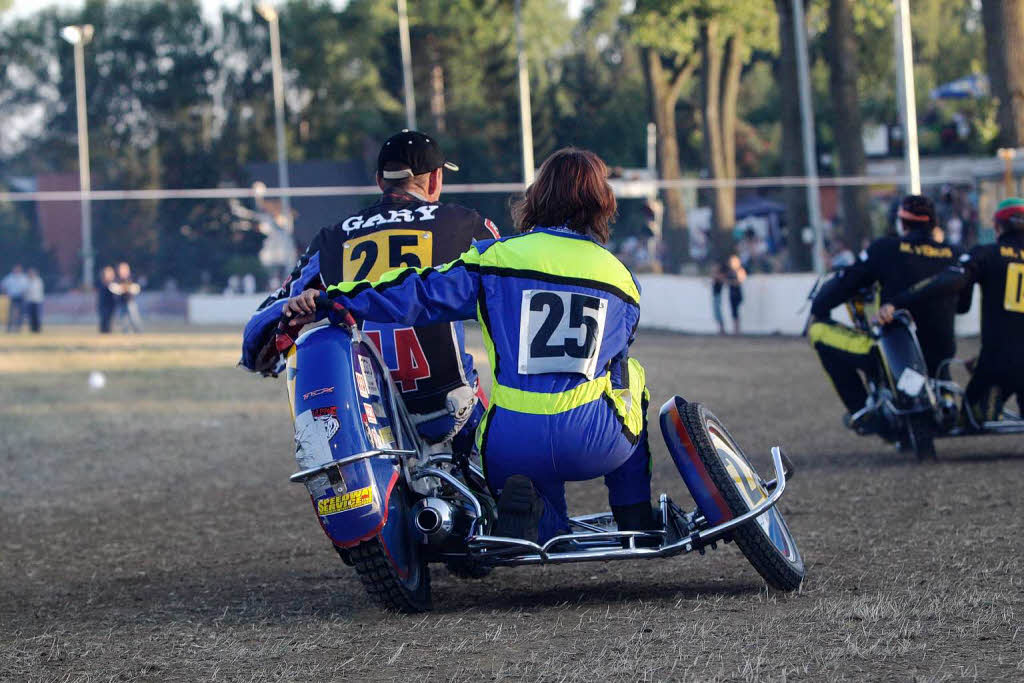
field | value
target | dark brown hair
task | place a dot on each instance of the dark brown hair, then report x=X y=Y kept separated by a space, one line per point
x=571 y=190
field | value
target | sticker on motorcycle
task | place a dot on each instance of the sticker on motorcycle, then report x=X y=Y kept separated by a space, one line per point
x=328 y=418
x=911 y=382
x=560 y=332
x=368 y=376
x=317 y=392
x=347 y=501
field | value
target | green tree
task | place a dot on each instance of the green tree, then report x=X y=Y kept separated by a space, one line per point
x=666 y=33
x=843 y=80
x=1004 y=41
x=791 y=149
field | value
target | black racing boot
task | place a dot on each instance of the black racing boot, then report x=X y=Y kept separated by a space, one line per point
x=519 y=509
x=637 y=517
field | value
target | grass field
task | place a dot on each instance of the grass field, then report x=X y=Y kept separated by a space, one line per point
x=148 y=532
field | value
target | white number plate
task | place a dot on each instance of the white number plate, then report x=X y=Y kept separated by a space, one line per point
x=560 y=332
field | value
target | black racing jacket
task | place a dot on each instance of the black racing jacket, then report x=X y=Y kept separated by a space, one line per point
x=400 y=230
x=999 y=270
x=897 y=263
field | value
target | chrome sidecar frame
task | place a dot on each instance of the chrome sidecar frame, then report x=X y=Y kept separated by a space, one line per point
x=597 y=542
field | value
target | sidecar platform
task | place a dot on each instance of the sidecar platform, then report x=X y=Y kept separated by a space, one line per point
x=599 y=540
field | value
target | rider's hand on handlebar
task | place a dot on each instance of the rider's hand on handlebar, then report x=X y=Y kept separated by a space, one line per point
x=886 y=314
x=301 y=309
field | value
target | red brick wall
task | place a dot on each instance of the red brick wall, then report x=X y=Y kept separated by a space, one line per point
x=61 y=222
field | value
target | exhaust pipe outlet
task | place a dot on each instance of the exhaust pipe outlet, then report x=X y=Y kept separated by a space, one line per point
x=434 y=518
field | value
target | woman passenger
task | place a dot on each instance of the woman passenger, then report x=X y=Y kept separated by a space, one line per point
x=558 y=313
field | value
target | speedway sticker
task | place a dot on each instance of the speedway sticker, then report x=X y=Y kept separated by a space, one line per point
x=347 y=501
x=368 y=376
x=911 y=382
x=361 y=385
x=371 y=416
x=328 y=418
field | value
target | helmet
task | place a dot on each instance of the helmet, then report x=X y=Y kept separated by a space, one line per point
x=917 y=212
x=1010 y=214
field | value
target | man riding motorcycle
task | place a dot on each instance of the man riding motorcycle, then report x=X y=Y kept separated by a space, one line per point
x=406 y=227
x=558 y=313
x=999 y=270
x=896 y=263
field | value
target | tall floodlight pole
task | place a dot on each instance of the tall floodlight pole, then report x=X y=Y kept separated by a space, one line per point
x=908 y=104
x=525 y=115
x=403 y=40
x=807 y=126
x=267 y=11
x=78 y=36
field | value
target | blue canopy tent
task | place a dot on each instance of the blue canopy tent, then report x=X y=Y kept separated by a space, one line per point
x=768 y=215
x=967 y=87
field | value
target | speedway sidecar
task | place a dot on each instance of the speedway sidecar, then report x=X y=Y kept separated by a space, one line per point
x=904 y=403
x=391 y=504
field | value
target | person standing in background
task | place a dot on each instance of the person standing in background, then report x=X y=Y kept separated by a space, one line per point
x=14 y=285
x=34 y=294
x=106 y=298
x=842 y=256
x=735 y=276
x=127 y=306
x=718 y=278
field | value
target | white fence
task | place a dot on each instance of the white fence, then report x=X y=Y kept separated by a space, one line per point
x=218 y=309
x=771 y=305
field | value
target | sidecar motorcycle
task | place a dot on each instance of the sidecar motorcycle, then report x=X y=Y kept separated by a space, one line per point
x=912 y=408
x=392 y=505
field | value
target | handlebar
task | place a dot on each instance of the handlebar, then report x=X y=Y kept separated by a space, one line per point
x=283 y=340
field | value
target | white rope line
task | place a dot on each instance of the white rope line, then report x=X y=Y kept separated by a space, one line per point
x=480 y=188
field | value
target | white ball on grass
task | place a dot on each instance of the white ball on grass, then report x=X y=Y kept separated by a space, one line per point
x=97 y=380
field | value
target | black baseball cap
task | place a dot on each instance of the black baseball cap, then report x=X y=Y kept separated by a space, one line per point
x=416 y=151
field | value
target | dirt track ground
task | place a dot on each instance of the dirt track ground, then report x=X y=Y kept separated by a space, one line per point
x=148 y=532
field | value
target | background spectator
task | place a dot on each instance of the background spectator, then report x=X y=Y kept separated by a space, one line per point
x=34 y=294
x=735 y=276
x=14 y=285
x=248 y=284
x=842 y=256
x=718 y=278
x=127 y=306
x=106 y=298
x=753 y=252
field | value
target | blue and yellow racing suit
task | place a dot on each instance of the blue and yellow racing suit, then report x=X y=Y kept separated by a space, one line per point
x=558 y=313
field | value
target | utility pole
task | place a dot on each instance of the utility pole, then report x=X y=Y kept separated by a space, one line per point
x=908 y=104
x=403 y=39
x=267 y=11
x=807 y=134
x=525 y=115
x=78 y=36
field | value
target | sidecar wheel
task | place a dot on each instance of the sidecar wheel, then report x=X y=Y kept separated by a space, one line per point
x=766 y=541
x=382 y=582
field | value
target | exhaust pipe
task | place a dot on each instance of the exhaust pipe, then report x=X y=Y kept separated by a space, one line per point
x=434 y=518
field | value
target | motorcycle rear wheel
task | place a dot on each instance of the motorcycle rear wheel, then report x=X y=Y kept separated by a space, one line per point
x=381 y=580
x=921 y=434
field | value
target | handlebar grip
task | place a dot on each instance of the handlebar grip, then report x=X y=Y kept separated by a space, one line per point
x=325 y=303
x=283 y=339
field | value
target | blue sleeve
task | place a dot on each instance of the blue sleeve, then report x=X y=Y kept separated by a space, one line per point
x=416 y=296
x=259 y=331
